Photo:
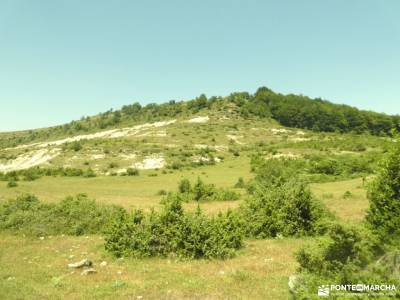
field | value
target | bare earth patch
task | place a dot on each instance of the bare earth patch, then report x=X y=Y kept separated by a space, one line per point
x=113 y=133
x=29 y=160
x=204 y=119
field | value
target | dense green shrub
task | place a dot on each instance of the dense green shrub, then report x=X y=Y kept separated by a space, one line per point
x=345 y=248
x=173 y=232
x=384 y=198
x=342 y=165
x=348 y=255
x=34 y=173
x=132 y=172
x=75 y=146
x=184 y=186
x=328 y=166
x=273 y=171
x=73 y=215
x=12 y=183
x=240 y=183
x=287 y=208
x=280 y=202
x=201 y=192
x=314 y=168
x=89 y=173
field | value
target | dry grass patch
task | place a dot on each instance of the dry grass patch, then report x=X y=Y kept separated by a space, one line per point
x=34 y=268
x=350 y=206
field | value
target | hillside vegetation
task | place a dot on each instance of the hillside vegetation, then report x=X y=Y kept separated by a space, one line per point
x=289 y=110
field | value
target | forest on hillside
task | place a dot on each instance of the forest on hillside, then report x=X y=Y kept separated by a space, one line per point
x=290 y=110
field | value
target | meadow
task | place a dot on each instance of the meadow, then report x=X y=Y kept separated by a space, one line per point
x=34 y=268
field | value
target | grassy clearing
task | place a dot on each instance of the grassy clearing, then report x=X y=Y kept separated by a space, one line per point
x=34 y=268
x=137 y=191
x=141 y=191
x=347 y=199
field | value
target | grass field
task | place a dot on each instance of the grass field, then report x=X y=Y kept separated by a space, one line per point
x=33 y=268
x=350 y=207
x=130 y=191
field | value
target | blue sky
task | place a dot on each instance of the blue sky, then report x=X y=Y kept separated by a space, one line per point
x=60 y=60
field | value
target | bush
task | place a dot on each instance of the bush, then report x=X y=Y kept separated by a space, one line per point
x=184 y=186
x=327 y=166
x=31 y=174
x=73 y=215
x=75 y=146
x=89 y=173
x=201 y=191
x=172 y=232
x=274 y=171
x=240 y=183
x=384 y=198
x=176 y=165
x=162 y=192
x=345 y=248
x=12 y=183
x=287 y=209
x=113 y=165
x=71 y=172
x=343 y=166
x=348 y=255
x=208 y=192
x=132 y=172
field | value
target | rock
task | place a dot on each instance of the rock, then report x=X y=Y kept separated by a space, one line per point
x=80 y=264
x=88 y=271
x=293 y=283
x=103 y=264
x=268 y=259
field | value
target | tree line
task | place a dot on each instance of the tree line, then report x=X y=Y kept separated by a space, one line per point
x=289 y=110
